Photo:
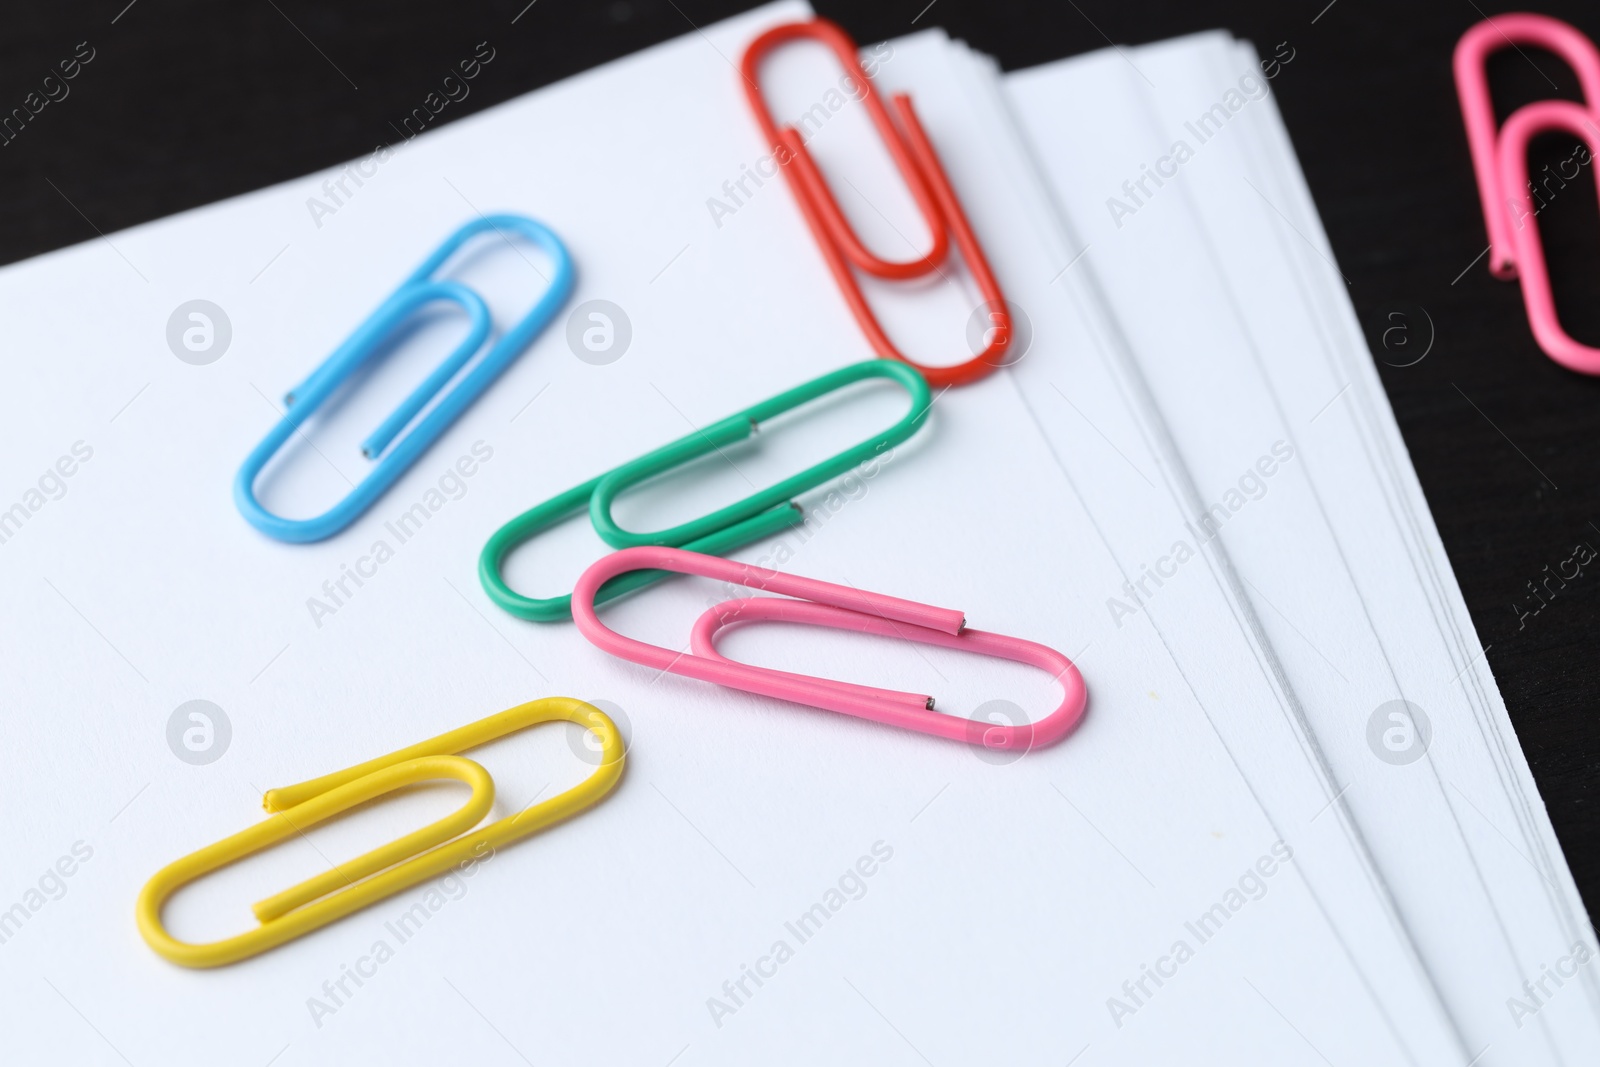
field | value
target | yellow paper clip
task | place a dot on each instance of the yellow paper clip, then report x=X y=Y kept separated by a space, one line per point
x=391 y=868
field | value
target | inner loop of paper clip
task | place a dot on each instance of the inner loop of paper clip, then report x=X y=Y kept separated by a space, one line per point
x=742 y=425
x=381 y=335
x=789 y=148
x=749 y=610
x=1534 y=120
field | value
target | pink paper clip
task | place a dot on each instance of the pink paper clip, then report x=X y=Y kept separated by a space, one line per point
x=1500 y=159
x=841 y=607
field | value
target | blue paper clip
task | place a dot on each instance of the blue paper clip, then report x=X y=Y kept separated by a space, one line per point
x=417 y=290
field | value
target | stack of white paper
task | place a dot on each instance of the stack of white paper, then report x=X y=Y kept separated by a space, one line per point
x=1251 y=851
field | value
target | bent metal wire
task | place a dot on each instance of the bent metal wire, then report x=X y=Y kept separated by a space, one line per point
x=918 y=163
x=758 y=515
x=362 y=346
x=373 y=876
x=841 y=607
x=1500 y=160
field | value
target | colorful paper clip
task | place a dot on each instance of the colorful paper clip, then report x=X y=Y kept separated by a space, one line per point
x=368 y=341
x=391 y=868
x=756 y=516
x=841 y=607
x=925 y=178
x=1500 y=159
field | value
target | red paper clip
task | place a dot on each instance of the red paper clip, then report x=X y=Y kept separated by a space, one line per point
x=919 y=166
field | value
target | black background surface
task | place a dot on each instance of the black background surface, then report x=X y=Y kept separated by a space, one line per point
x=189 y=101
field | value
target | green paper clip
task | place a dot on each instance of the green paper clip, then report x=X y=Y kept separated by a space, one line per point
x=758 y=515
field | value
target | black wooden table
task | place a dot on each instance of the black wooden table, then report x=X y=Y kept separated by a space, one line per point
x=187 y=101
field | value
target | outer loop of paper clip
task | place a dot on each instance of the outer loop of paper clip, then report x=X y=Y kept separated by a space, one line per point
x=423 y=854
x=841 y=607
x=366 y=344
x=918 y=163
